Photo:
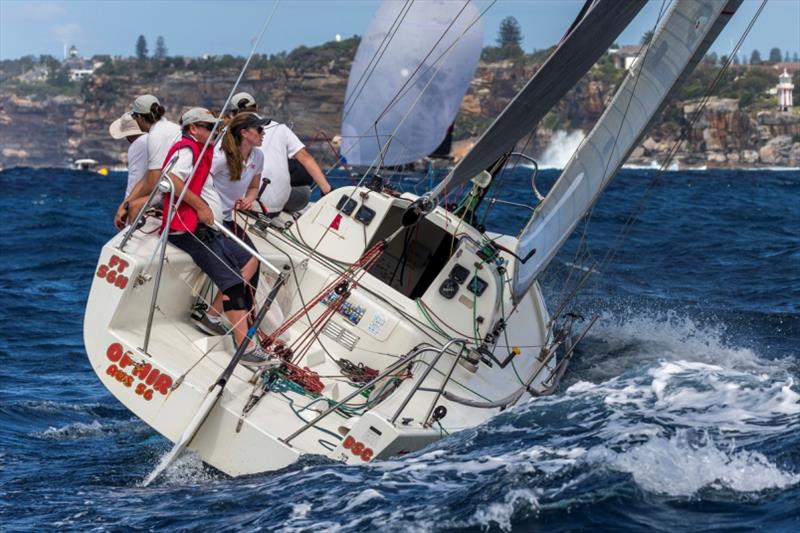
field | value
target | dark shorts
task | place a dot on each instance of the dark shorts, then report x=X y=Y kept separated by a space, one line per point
x=219 y=257
x=237 y=230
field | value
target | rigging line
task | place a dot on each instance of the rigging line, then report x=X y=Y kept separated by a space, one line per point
x=225 y=106
x=639 y=208
x=376 y=58
x=583 y=251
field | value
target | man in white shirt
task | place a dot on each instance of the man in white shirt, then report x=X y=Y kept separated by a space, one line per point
x=127 y=128
x=280 y=144
x=148 y=113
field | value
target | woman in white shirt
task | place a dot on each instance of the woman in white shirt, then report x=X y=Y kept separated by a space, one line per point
x=236 y=174
x=237 y=165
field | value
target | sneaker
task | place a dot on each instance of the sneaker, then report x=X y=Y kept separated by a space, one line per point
x=205 y=324
x=257 y=357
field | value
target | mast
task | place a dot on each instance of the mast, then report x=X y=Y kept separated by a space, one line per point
x=679 y=43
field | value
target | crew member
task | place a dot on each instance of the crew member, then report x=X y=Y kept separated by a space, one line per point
x=148 y=113
x=279 y=146
x=236 y=173
x=125 y=127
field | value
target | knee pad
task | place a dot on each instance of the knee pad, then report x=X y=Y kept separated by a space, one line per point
x=238 y=298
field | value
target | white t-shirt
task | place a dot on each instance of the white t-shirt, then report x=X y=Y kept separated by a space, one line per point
x=230 y=191
x=183 y=169
x=280 y=143
x=137 y=162
x=162 y=135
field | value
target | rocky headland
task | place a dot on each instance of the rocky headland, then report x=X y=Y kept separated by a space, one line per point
x=306 y=89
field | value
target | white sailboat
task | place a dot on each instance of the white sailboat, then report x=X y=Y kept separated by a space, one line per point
x=393 y=321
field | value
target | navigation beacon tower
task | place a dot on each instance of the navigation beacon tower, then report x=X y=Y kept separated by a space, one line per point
x=785 y=87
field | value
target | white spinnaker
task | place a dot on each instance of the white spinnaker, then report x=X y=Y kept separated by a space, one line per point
x=681 y=40
x=398 y=47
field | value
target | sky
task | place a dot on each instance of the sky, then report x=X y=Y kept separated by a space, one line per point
x=198 y=27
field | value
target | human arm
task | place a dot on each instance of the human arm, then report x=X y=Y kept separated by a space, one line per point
x=312 y=167
x=250 y=196
x=204 y=213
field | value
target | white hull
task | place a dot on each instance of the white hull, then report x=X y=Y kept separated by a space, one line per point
x=386 y=324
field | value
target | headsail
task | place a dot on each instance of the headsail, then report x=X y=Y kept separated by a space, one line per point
x=588 y=39
x=679 y=43
x=405 y=46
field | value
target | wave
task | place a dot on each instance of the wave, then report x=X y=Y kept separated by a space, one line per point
x=676 y=466
x=80 y=430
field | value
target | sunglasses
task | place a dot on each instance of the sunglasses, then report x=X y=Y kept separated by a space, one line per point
x=205 y=126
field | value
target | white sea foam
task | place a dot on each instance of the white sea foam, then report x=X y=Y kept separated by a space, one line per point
x=501 y=513
x=363 y=497
x=561 y=148
x=79 y=430
x=678 y=467
x=667 y=335
x=188 y=469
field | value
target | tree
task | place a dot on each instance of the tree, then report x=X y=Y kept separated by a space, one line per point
x=509 y=38
x=755 y=58
x=723 y=60
x=710 y=59
x=794 y=57
x=786 y=57
x=510 y=33
x=161 y=48
x=775 y=55
x=647 y=37
x=141 y=48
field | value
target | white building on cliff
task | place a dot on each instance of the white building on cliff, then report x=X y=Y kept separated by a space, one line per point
x=784 y=89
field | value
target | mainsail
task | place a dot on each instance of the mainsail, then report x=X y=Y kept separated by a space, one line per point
x=409 y=75
x=679 y=43
x=586 y=41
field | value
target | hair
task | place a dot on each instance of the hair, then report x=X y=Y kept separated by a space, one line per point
x=231 y=142
x=156 y=112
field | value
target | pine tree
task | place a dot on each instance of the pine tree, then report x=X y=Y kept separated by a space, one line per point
x=141 y=48
x=509 y=38
x=755 y=58
x=161 y=48
x=775 y=55
x=794 y=58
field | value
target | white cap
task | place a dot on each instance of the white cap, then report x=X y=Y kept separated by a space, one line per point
x=143 y=104
x=123 y=127
x=243 y=100
x=197 y=114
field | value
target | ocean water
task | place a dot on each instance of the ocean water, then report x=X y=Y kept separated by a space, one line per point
x=680 y=412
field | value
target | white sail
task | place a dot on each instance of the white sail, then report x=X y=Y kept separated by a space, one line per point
x=408 y=78
x=681 y=40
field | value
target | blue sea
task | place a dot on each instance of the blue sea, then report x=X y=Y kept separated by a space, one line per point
x=680 y=411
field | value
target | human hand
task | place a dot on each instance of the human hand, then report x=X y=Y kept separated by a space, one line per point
x=206 y=215
x=121 y=216
x=243 y=203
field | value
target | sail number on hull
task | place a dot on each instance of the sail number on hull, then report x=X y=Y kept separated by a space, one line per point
x=149 y=379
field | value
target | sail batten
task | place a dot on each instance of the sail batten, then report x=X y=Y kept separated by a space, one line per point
x=588 y=39
x=681 y=40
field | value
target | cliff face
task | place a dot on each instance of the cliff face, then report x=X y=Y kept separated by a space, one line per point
x=56 y=130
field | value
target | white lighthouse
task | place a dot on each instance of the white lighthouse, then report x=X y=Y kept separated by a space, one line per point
x=785 y=87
